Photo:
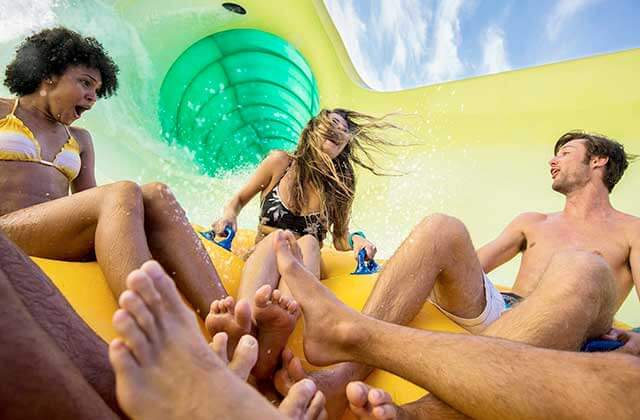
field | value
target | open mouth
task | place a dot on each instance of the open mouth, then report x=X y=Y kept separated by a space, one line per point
x=554 y=172
x=79 y=109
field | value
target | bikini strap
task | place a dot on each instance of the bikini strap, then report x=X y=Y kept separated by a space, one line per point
x=285 y=172
x=15 y=106
x=68 y=131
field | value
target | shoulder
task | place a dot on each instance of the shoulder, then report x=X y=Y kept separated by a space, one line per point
x=277 y=160
x=527 y=219
x=83 y=137
x=632 y=227
x=278 y=157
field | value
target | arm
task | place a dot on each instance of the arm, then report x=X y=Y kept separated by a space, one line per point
x=341 y=243
x=261 y=179
x=634 y=256
x=510 y=242
x=87 y=177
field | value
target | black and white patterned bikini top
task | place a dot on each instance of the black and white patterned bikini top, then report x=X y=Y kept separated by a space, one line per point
x=275 y=214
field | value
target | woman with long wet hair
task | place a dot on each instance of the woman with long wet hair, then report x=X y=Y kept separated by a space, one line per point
x=309 y=192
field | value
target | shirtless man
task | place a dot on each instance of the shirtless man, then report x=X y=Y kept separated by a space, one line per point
x=475 y=376
x=438 y=262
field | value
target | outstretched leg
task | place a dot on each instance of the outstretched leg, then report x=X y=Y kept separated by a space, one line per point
x=52 y=313
x=437 y=259
x=38 y=379
x=273 y=311
x=491 y=378
x=164 y=367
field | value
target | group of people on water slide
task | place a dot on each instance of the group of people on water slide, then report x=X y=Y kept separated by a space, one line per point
x=520 y=360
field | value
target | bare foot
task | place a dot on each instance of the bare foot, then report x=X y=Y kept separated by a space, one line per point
x=164 y=367
x=227 y=316
x=329 y=326
x=304 y=402
x=331 y=381
x=244 y=355
x=275 y=317
x=370 y=403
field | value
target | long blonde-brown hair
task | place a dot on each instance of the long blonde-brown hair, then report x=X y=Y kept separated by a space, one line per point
x=334 y=179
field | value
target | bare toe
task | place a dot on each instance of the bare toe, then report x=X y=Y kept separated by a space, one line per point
x=298 y=399
x=135 y=306
x=132 y=334
x=316 y=408
x=219 y=346
x=244 y=357
x=370 y=403
x=263 y=296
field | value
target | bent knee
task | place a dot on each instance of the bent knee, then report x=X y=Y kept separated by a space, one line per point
x=157 y=191
x=309 y=243
x=159 y=199
x=443 y=225
x=584 y=273
x=123 y=196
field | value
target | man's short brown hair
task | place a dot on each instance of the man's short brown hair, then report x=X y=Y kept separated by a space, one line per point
x=599 y=145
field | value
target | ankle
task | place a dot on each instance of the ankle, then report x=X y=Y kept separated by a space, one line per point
x=350 y=336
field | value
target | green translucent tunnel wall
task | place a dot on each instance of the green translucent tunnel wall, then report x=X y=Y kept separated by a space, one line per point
x=235 y=95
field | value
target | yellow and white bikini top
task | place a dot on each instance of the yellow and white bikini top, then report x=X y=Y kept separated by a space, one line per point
x=17 y=142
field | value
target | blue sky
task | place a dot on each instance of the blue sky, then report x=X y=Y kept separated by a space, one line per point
x=397 y=44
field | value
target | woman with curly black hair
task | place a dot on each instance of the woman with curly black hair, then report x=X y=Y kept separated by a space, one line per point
x=58 y=75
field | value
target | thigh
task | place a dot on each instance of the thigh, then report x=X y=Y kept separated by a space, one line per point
x=459 y=287
x=59 y=229
x=574 y=301
x=38 y=379
x=50 y=311
x=437 y=259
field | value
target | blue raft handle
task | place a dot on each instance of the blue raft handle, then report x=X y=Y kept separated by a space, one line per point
x=226 y=242
x=601 y=345
x=605 y=345
x=364 y=266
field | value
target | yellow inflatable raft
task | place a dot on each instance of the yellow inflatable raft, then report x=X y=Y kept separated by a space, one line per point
x=84 y=285
x=86 y=289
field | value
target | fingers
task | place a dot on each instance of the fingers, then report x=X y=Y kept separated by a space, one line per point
x=370 y=250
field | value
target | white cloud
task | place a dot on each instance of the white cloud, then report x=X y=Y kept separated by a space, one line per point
x=404 y=25
x=401 y=43
x=396 y=29
x=562 y=12
x=445 y=63
x=352 y=30
x=494 y=51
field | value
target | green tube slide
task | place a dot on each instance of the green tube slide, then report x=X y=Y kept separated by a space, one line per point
x=235 y=95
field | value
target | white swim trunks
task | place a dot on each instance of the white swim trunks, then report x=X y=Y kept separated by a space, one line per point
x=492 y=311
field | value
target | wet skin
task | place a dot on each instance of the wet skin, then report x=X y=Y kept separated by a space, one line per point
x=24 y=184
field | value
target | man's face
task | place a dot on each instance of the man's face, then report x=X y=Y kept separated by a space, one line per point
x=569 y=168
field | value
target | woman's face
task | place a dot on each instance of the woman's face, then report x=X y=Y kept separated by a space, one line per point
x=73 y=93
x=334 y=145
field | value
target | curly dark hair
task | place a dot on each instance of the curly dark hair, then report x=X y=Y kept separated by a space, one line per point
x=50 y=52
